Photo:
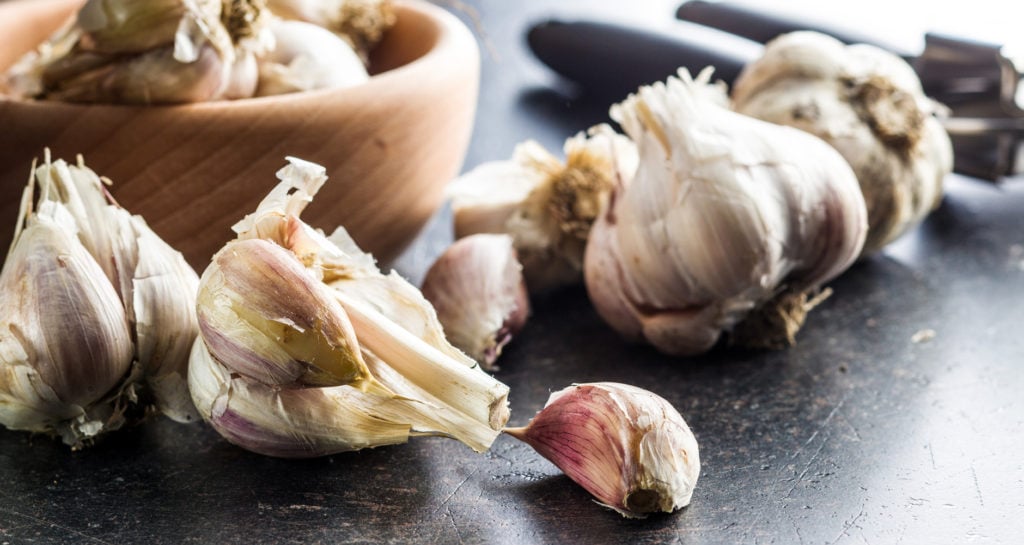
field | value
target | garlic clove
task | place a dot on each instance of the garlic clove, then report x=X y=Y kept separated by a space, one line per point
x=627 y=446
x=725 y=215
x=869 y=105
x=546 y=205
x=477 y=289
x=307 y=57
x=264 y=316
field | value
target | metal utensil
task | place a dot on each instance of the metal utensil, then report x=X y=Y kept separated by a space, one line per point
x=978 y=82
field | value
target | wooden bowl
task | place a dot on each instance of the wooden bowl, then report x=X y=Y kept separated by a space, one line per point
x=389 y=145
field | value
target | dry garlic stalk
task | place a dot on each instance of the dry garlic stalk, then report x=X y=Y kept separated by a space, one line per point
x=477 y=289
x=728 y=220
x=98 y=313
x=627 y=446
x=307 y=349
x=307 y=57
x=362 y=23
x=546 y=205
x=867 y=103
x=153 y=52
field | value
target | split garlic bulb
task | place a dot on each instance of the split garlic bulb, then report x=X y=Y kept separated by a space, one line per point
x=153 y=52
x=307 y=349
x=98 y=313
x=546 y=205
x=627 y=446
x=306 y=57
x=869 y=105
x=728 y=220
x=477 y=289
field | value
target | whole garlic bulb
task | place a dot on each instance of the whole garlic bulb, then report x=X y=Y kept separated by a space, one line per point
x=98 y=313
x=869 y=105
x=361 y=23
x=728 y=219
x=477 y=289
x=627 y=446
x=547 y=206
x=307 y=57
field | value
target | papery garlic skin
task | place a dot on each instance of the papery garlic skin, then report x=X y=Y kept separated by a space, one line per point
x=627 y=446
x=476 y=287
x=337 y=312
x=306 y=57
x=546 y=205
x=98 y=313
x=869 y=105
x=723 y=214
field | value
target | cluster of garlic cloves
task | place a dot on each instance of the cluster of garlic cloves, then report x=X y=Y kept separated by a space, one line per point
x=545 y=204
x=869 y=105
x=477 y=288
x=307 y=349
x=726 y=217
x=98 y=313
x=628 y=447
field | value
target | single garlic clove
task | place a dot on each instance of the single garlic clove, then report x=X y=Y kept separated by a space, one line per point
x=477 y=289
x=263 y=315
x=627 y=446
x=869 y=105
x=307 y=57
x=546 y=205
x=727 y=217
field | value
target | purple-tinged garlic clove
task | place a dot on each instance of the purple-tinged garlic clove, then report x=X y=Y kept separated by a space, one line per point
x=628 y=447
x=478 y=291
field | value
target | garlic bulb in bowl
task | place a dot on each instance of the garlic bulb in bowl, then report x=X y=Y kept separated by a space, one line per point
x=869 y=105
x=307 y=57
x=728 y=220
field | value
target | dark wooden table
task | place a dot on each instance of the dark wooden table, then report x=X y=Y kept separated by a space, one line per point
x=898 y=417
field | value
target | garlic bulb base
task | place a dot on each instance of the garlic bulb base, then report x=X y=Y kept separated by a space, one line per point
x=774 y=325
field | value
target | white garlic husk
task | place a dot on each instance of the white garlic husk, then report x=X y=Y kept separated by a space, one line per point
x=869 y=105
x=728 y=221
x=545 y=204
x=306 y=57
x=307 y=349
x=154 y=52
x=628 y=447
x=477 y=288
x=361 y=23
x=98 y=313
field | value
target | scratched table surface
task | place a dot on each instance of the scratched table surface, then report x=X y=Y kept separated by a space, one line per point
x=897 y=418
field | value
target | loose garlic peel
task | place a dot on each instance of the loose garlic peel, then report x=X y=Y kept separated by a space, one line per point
x=869 y=105
x=726 y=215
x=367 y=365
x=628 y=447
x=98 y=313
x=546 y=205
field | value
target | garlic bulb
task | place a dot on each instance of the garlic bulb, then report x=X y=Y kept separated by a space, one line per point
x=306 y=57
x=98 y=313
x=869 y=105
x=307 y=349
x=477 y=289
x=154 y=52
x=361 y=23
x=546 y=205
x=627 y=446
x=728 y=219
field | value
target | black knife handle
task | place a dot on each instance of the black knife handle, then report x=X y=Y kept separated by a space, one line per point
x=762 y=25
x=614 y=59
